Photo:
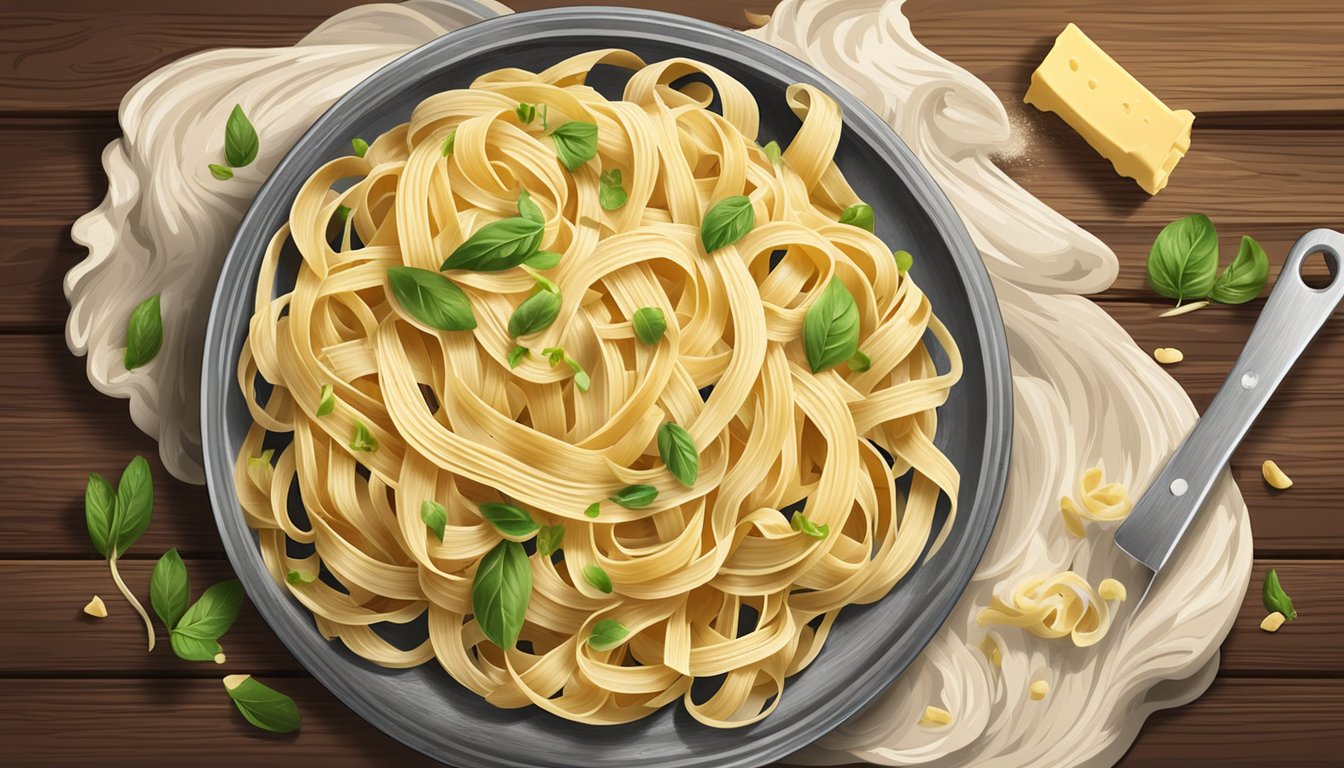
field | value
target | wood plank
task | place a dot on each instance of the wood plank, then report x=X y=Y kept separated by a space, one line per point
x=55 y=635
x=1207 y=56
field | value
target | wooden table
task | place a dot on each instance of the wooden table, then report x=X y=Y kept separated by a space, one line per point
x=1265 y=79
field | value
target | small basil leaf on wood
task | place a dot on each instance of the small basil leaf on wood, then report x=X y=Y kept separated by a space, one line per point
x=509 y=520
x=135 y=502
x=100 y=513
x=528 y=208
x=635 y=496
x=326 y=400
x=169 y=588
x=677 y=449
x=517 y=354
x=196 y=635
x=535 y=314
x=1184 y=258
x=1275 y=598
x=192 y=648
x=549 y=539
x=801 y=524
x=831 y=327
x=607 y=634
x=360 y=146
x=263 y=706
x=594 y=575
x=240 y=139
x=500 y=593
x=859 y=215
x=221 y=172
x=1245 y=277
x=144 y=334
x=543 y=260
x=497 y=246
x=363 y=440
x=435 y=516
x=728 y=221
x=650 y=324
x=431 y=298
x=904 y=261
x=575 y=143
x=773 y=152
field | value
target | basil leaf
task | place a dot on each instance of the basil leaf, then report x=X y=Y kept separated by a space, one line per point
x=543 y=260
x=526 y=113
x=859 y=215
x=221 y=172
x=240 y=139
x=169 y=588
x=434 y=516
x=363 y=439
x=343 y=212
x=594 y=509
x=500 y=592
x=831 y=327
x=607 y=634
x=803 y=525
x=535 y=314
x=100 y=512
x=262 y=706
x=1245 y=277
x=192 y=648
x=549 y=539
x=449 y=142
x=431 y=298
x=575 y=143
x=517 y=354
x=635 y=496
x=529 y=209
x=594 y=575
x=144 y=334
x=1184 y=258
x=497 y=246
x=135 y=501
x=772 y=152
x=509 y=520
x=677 y=449
x=650 y=324
x=860 y=362
x=196 y=635
x=904 y=261
x=326 y=401
x=361 y=146
x=1275 y=598
x=611 y=195
x=541 y=110
x=728 y=221
x=299 y=577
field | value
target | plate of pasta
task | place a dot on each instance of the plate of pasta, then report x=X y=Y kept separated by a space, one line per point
x=628 y=395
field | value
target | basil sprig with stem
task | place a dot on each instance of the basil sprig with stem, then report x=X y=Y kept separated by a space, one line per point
x=831 y=327
x=679 y=454
x=144 y=334
x=431 y=298
x=262 y=706
x=169 y=588
x=556 y=356
x=575 y=143
x=726 y=222
x=117 y=518
x=500 y=592
x=1183 y=264
x=1275 y=598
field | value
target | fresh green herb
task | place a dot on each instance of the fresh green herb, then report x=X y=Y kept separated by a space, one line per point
x=860 y=362
x=773 y=152
x=517 y=354
x=859 y=215
x=1275 y=598
x=431 y=298
x=100 y=513
x=1184 y=258
x=260 y=470
x=434 y=516
x=543 y=260
x=117 y=519
x=679 y=454
x=607 y=634
x=497 y=246
x=195 y=637
x=635 y=496
x=299 y=577
x=500 y=592
x=1245 y=277
x=728 y=221
x=221 y=172
x=904 y=261
x=326 y=400
x=449 y=142
x=801 y=524
x=509 y=520
x=610 y=194
x=343 y=212
x=575 y=143
x=537 y=311
x=549 y=539
x=261 y=705
x=831 y=327
x=363 y=439
x=650 y=324
x=135 y=502
x=144 y=334
x=541 y=110
x=594 y=575
x=526 y=112
x=240 y=139
x=361 y=146
x=557 y=355
x=170 y=589
x=594 y=509
x=528 y=209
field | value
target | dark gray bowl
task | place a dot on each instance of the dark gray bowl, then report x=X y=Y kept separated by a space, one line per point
x=870 y=646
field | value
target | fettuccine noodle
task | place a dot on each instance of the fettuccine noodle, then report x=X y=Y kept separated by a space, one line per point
x=710 y=581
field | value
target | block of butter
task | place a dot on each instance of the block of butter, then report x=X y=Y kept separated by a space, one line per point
x=1121 y=119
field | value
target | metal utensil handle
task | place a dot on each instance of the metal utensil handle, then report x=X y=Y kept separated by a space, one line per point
x=1292 y=315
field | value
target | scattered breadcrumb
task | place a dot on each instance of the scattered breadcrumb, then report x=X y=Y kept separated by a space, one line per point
x=936 y=716
x=1184 y=308
x=1272 y=622
x=1168 y=355
x=1039 y=689
x=1275 y=476
x=96 y=608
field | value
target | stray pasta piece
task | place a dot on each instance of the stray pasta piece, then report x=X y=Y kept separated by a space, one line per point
x=1101 y=503
x=1272 y=622
x=219 y=658
x=96 y=608
x=1275 y=476
x=1039 y=689
x=1184 y=308
x=1110 y=589
x=936 y=717
x=1168 y=355
x=991 y=651
x=756 y=19
x=1050 y=606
